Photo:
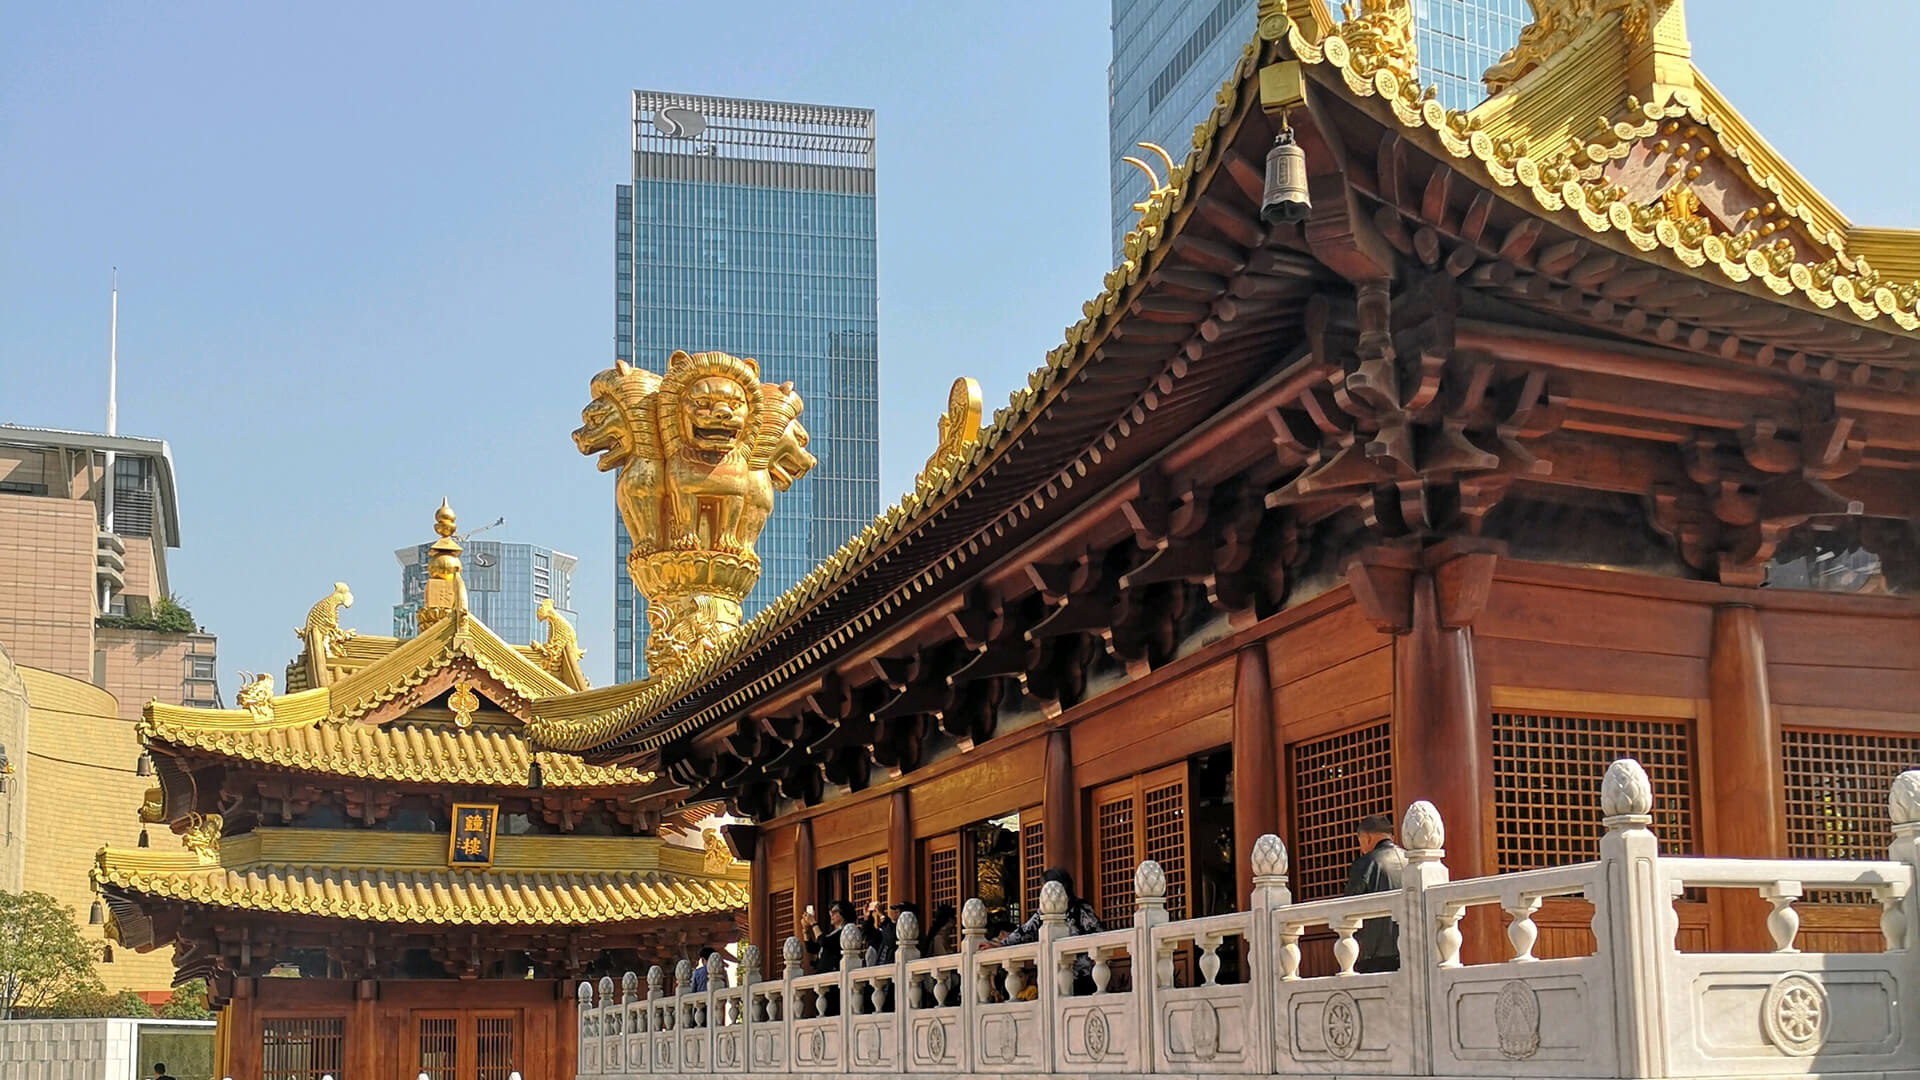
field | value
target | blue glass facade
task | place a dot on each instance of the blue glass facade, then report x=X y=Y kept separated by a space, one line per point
x=505 y=583
x=748 y=228
x=1170 y=57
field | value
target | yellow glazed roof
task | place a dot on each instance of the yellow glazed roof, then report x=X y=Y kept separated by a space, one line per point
x=1539 y=143
x=325 y=729
x=433 y=896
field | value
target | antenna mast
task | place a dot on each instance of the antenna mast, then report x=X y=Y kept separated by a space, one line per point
x=113 y=422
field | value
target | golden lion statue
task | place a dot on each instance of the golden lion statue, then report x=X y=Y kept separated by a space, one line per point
x=700 y=451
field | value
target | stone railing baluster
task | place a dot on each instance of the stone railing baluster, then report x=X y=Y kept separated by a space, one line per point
x=1639 y=937
x=1783 y=922
x=1521 y=932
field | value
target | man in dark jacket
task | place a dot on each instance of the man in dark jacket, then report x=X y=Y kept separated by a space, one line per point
x=1377 y=869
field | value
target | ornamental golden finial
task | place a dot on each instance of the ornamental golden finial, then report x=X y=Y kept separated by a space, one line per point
x=959 y=433
x=700 y=452
x=446 y=589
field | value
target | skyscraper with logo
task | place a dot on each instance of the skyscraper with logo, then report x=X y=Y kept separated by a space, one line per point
x=748 y=228
x=1170 y=56
x=505 y=584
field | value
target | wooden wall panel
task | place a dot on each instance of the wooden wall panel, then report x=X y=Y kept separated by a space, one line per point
x=1544 y=614
x=1841 y=641
x=779 y=845
x=989 y=787
x=1546 y=666
x=1318 y=644
x=1870 y=688
x=1175 y=720
x=854 y=830
x=1351 y=692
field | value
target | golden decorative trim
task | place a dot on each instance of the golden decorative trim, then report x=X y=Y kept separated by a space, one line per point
x=463 y=701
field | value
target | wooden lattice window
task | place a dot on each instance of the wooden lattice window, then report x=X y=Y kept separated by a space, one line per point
x=495 y=1049
x=1337 y=780
x=303 y=1049
x=780 y=924
x=943 y=873
x=438 y=1039
x=1142 y=817
x=1837 y=784
x=867 y=882
x=1546 y=783
x=1033 y=860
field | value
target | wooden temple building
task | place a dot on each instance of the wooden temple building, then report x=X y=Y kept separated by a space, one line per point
x=379 y=877
x=1407 y=454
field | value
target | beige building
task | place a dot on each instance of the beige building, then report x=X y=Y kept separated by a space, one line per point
x=86 y=522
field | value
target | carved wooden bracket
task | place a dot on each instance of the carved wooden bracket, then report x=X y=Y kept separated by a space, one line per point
x=1382 y=579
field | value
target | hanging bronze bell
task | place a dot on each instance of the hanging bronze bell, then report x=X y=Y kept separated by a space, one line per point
x=1285 y=200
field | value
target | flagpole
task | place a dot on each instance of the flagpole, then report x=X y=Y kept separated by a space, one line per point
x=113 y=419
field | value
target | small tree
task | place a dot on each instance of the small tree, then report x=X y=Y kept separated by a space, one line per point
x=94 y=1004
x=42 y=955
x=189 y=1002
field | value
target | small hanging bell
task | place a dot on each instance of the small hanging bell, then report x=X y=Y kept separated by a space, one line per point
x=143 y=838
x=1285 y=199
x=96 y=915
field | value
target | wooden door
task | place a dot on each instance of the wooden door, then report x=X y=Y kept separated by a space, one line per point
x=466 y=1044
x=1142 y=817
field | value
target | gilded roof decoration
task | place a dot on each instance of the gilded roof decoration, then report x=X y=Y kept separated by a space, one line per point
x=322 y=631
x=418 y=896
x=959 y=432
x=560 y=654
x=256 y=696
x=1556 y=23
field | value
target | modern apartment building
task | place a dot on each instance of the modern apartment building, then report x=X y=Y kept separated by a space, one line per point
x=1170 y=57
x=748 y=228
x=89 y=633
x=505 y=584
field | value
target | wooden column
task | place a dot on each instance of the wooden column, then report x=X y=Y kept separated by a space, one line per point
x=900 y=876
x=806 y=876
x=1256 y=769
x=1429 y=599
x=760 y=928
x=243 y=1037
x=363 y=1030
x=1740 y=748
x=1059 y=807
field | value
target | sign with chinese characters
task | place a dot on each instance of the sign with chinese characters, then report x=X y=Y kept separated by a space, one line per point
x=471 y=844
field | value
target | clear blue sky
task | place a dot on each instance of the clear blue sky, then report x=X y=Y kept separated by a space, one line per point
x=365 y=250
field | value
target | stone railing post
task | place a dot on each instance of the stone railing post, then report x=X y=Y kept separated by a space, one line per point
x=629 y=1027
x=1150 y=971
x=906 y=992
x=1426 y=836
x=1052 y=981
x=791 y=955
x=1641 y=906
x=853 y=950
x=586 y=1035
x=1270 y=894
x=656 y=993
x=608 y=1014
x=711 y=1014
x=1900 y=917
x=973 y=986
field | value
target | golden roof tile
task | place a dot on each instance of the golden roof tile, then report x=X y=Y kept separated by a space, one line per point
x=418 y=895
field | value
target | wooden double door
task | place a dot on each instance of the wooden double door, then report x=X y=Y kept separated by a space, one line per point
x=466 y=1044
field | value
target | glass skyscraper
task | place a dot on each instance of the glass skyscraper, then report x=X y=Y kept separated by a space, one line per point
x=1170 y=56
x=748 y=228
x=505 y=584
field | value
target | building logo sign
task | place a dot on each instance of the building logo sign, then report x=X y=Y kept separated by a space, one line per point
x=679 y=122
x=471 y=844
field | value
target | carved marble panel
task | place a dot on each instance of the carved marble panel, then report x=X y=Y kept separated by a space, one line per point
x=1098 y=1034
x=769 y=1047
x=873 y=1043
x=1205 y=1029
x=816 y=1045
x=1350 y=1024
x=936 y=1040
x=1509 y=1019
x=1007 y=1037
x=1846 y=1020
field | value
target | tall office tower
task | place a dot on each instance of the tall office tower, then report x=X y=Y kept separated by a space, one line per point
x=1170 y=57
x=505 y=584
x=749 y=229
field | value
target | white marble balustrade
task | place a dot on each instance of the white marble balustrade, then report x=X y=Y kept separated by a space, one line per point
x=1635 y=1007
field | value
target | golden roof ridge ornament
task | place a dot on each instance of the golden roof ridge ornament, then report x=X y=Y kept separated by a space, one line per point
x=256 y=696
x=560 y=654
x=1379 y=37
x=446 y=590
x=959 y=433
x=322 y=631
x=699 y=453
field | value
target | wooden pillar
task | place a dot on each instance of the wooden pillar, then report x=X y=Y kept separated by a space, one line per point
x=363 y=1030
x=1256 y=769
x=806 y=876
x=1059 y=807
x=900 y=876
x=760 y=928
x=1740 y=748
x=243 y=1038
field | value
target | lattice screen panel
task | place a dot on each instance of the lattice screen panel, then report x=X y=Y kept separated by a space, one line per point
x=1114 y=850
x=1033 y=863
x=302 y=1049
x=1164 y=826
x=860 y=887
x=495 y=1055
x=439 y=1046
x=943 y=879
x=880 y=883
x=1837 y=784
x=780 y=927
x=1546 y=783
x=1337 y=780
